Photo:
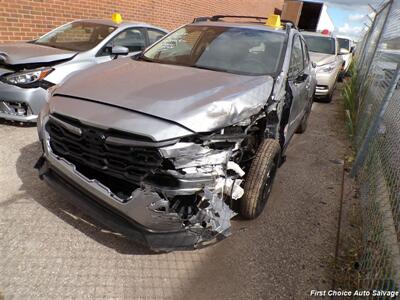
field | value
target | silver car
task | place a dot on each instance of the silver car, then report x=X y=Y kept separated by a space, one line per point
x=325 y=53
x=29 y=69
x=169 y=146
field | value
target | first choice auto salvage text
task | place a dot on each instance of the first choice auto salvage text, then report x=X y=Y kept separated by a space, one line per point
x=356 y=293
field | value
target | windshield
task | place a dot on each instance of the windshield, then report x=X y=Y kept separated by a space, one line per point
x=344 y=43
x=232 y=50
x=76 y=36
x=320 y=44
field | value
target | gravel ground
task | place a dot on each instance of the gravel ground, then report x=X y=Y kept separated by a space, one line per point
x=51 y=250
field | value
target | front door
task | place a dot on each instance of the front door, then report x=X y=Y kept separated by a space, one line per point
x=133 y=38
x=298 y=81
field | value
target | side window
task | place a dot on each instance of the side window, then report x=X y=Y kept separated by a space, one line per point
x=154 y=35
x=296 y=59
x=305 y=53
x=337 y=47
x=176 y=46
x=133 y=39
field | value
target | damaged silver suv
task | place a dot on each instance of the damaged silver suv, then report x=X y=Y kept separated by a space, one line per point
x=167 y=147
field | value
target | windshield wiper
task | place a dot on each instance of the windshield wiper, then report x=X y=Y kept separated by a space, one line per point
x=46 y=45
x=145 y=58
x=56 y=47
x=209 y=68
x=228 y=71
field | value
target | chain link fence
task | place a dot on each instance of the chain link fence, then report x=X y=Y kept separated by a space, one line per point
x=377 y=141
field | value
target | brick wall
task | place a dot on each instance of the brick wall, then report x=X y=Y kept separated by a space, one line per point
x=28 y=19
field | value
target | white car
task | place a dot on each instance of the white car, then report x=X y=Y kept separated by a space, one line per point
x=29 y=69
x=346 y=46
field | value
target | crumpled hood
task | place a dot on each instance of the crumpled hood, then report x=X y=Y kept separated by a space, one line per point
x=322 y=58
x=200 y=100
x=29 y=53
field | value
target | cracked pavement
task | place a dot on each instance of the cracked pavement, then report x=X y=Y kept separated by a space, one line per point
x=51 y=250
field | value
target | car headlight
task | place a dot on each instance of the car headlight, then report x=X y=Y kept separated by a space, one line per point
x=204 y=150
x=328 y=68
x=28 y=77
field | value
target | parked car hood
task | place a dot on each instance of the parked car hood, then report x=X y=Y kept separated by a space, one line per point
x=322 y=58
x=200 y=100
x=30 y=53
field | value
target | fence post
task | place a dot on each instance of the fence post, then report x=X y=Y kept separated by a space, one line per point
x=388 y=5
x=362 y=153
x=362 y=50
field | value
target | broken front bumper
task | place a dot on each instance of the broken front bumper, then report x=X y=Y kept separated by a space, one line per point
x=21 y=104
x=146 y=215
x=111 y=218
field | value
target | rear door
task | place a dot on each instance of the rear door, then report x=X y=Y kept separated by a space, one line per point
x=298 y=83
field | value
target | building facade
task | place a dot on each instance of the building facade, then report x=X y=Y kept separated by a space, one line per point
x=28 y=19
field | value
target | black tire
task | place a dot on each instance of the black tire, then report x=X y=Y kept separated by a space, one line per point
x=260 y=178
x=303 y=124
x=326 y=99
x=341 y=77
x=329 y=98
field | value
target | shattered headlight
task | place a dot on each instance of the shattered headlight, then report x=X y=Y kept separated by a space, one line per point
x=327 y=68
x=189 y=154
x=27 y=77
x=205 y=150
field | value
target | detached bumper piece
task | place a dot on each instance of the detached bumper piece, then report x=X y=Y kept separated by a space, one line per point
x=126 y=183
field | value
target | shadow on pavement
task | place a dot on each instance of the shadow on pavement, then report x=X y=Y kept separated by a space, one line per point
x=34 y=188
x=16 y=124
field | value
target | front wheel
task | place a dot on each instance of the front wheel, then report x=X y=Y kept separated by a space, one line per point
x=260 y=178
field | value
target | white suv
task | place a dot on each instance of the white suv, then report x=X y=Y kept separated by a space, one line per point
x=325 y=53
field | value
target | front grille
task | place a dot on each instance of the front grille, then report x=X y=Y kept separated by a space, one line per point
x=88 y=149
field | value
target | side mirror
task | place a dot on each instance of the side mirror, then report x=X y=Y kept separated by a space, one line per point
x=119 y=50
x=314 y=65
x=343 y=51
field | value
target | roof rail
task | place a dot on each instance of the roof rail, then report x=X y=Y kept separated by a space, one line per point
x=218 y=17
x=201 y=19
x=260 y=19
